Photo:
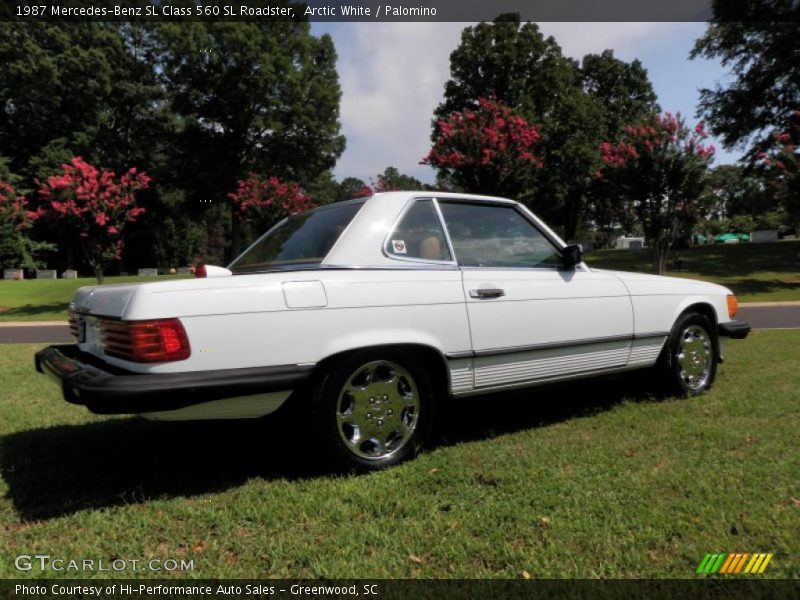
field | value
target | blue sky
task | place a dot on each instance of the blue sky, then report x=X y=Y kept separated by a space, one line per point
x=393 y=75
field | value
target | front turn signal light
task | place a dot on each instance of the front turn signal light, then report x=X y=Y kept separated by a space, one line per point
x=733 y=305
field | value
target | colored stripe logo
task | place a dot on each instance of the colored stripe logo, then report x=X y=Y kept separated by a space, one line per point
x=733 y=564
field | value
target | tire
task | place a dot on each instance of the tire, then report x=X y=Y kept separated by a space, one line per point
x=373 y=409
x=688 y=363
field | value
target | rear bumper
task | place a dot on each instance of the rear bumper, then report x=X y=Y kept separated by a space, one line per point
x=107 y=390
x=737 y=330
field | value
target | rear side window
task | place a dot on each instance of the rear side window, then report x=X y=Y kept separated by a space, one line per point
x=419 y=234
x=302 y=239
x=485 y=235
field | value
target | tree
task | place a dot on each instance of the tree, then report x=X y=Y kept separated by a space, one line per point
x=16 y=216
x=757 y=41
x=264 y=201
x=96 y=204
x=252 y=97
x=657 y=169
x=352 y=187
x=576 y=107
x=392 y=180
x=68 y=89
x=623 y=89
x=488 y=150
x=779 y=155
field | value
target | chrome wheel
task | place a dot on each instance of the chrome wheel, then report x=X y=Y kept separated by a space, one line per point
x=695 y=355
x=377 y=410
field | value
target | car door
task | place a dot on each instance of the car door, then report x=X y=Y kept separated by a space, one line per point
x=531 y=320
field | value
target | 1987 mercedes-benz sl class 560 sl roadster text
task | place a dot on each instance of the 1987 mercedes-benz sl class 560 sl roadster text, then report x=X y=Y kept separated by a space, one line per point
x=365 y=313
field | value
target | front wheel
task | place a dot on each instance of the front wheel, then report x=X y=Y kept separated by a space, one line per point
x=373 y=409
x=688 y=363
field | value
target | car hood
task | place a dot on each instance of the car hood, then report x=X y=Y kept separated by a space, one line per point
x=641 y=284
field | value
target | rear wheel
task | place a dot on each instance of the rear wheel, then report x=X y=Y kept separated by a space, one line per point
x=688 y=363
x=373 y=409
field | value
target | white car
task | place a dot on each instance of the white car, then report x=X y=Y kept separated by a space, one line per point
x=366 y=313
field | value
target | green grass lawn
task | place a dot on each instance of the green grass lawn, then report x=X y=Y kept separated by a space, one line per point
x=583 y=480
x=47 y=300
x=755 y=272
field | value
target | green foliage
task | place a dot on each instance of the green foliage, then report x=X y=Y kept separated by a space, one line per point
x=18 y=250
x=196 y=105
x=392 y=180
x=760 y=50
x=84 y=89
x=257 y=97
x=754 y=196
x=623 y=89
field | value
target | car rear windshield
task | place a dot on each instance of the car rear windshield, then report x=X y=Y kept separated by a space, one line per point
x=298 y=241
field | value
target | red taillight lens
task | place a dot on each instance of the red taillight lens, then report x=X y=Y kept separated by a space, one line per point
x=200 y=271
x=162 y=340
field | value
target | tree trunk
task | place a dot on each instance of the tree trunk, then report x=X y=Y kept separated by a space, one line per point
x=660 y=253
x=96 y=264
x=98 y=272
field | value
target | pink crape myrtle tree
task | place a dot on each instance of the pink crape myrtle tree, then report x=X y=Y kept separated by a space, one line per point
x=656 y=171
x=262 y=201
x=780 y=155
x=96 y=205
x=489 y=149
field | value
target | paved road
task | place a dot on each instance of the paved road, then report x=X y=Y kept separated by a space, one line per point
x=770 y=317
x=759 y=317
x=35 y=334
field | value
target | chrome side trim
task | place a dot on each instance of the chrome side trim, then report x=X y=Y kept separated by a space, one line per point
x=554 y=345
x=461 y=354
x=650 y=334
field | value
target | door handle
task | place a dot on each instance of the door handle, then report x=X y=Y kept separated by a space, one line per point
x=487 y=293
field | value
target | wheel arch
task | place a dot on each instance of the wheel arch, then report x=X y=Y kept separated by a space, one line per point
x=703 y=307
x=707 y=309
x=425 y=355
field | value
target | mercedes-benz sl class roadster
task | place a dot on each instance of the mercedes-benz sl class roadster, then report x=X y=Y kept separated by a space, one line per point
x=365 y=314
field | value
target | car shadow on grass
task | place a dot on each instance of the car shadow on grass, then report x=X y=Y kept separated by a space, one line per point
x=57 y=471
x=481 y=417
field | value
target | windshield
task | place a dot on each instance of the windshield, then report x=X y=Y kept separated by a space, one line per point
x=302 y=239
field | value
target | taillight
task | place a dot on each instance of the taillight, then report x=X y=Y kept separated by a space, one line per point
x=733 y=305
x=161 y=340
x=200 y=271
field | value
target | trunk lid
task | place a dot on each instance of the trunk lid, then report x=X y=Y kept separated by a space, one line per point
x=106 y=300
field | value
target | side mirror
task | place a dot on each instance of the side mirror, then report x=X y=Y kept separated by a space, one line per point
x=571 y=256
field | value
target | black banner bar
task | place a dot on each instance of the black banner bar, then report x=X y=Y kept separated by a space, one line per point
x=702 y=587
x=397 y=10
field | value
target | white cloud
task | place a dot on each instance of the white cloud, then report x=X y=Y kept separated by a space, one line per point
x=393 y=75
